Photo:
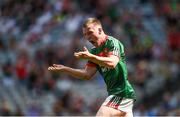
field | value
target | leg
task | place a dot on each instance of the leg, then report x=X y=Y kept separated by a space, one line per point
x=108 y=111
x=116 y=106
x=129 y=114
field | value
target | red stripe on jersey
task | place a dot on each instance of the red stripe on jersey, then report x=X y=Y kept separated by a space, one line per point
x=116 y=106
x=101 y=54
x=91 y=65
x=110 y=101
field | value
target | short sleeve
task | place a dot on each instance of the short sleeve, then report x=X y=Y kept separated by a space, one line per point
x=89 y=63
x=114 y=48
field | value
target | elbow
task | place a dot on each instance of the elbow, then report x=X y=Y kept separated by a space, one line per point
x=87 y=77
x=112 y=65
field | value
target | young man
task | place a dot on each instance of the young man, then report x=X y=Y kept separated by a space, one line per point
x=108 y=58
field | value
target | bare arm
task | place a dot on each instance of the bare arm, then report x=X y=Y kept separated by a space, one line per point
x=85 y=74
x=110 y=61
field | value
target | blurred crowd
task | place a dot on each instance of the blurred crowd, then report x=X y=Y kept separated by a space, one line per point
x=34 y=34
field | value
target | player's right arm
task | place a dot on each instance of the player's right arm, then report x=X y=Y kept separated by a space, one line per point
x=85 y=74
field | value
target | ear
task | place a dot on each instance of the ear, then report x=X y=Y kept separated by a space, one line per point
x=100 y=30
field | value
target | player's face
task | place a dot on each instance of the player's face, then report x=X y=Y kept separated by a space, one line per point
x=91 y=34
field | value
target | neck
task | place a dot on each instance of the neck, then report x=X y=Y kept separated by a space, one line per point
x=102 y=39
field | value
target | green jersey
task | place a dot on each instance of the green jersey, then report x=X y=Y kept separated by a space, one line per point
x=115 y=78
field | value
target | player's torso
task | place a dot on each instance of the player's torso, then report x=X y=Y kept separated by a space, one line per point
x=115 y=79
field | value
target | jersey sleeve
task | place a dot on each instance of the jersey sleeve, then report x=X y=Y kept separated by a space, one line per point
x=89 y=63
x=114 y=48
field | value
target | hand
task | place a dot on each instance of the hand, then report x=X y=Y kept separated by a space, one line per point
x=83 y=54
x=56 y=67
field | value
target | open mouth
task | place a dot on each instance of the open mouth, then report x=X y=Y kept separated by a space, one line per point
x=92 y=42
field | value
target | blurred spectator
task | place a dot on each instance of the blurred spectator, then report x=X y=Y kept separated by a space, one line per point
x=5 y=110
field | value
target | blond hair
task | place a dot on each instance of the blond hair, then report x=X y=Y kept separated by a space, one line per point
x=91 y=21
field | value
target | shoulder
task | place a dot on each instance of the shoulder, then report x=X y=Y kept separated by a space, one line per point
x=92 y=50
x=112 y=41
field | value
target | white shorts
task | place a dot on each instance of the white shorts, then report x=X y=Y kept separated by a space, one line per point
x=119 y=103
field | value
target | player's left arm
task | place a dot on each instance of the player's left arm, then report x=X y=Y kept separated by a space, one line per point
x=110 y=61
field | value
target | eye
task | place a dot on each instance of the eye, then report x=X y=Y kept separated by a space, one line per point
x=90 y=32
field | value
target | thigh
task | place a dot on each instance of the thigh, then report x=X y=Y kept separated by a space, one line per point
x=129 y=114
x=116 y=106
x=108 y=111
